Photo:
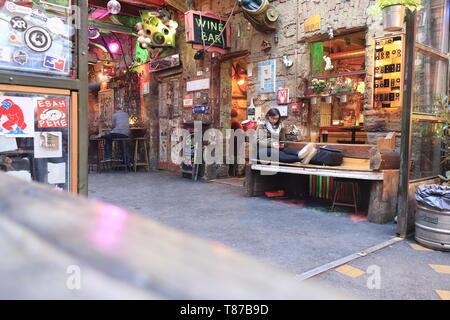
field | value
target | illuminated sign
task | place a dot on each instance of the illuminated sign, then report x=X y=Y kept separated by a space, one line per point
x=205 y=28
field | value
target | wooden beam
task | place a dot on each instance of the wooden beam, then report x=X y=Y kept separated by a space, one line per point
x=123 y=255
x=405 y=223
x=351 y=174
x=384 y=159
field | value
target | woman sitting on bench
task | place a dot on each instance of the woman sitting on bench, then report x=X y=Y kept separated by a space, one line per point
x=270 y=133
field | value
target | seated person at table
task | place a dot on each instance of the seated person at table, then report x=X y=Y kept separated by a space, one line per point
x=269 y=135
x=120 y=129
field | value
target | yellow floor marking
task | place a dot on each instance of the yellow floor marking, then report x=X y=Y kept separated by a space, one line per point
x=350 y=271
x=419 y=247
x=444 y=294
x=440 y=269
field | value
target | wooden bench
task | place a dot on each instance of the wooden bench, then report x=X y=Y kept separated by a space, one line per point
x=375 y=166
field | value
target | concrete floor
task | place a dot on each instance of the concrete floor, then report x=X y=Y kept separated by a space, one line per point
x=290 y=237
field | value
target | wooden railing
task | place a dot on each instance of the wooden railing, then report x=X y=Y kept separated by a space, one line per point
x=57 y=246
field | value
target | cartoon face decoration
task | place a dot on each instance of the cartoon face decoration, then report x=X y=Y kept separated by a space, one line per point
x=52 y=115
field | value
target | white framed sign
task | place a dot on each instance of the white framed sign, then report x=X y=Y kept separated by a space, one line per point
x=197 y=85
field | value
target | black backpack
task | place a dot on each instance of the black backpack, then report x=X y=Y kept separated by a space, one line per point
x=327 y=156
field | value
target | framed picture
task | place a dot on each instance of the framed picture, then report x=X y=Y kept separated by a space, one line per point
x=106 y=102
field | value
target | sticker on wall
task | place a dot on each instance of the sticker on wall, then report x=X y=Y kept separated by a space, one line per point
x=7 y=144
x=56 y=25
x=56 y=173
x=283 y=96
x=38 y=39
x=267 y=76
x=188 y=101
x=15 y=40
x=52 y=114
x=20 y=57
x=5 y=54
x=18 y=24
x=17 y=116
x=54 y=63
x=14 y=8
x=38 y=17
x=200 y=109
x=48 y=144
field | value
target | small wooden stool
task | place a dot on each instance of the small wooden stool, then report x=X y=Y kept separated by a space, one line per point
x=140 y=142
x=338 y=183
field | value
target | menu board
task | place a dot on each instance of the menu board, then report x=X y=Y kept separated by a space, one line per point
x=389 y=74
x=35 y=40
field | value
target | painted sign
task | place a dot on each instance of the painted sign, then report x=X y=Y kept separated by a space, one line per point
x=206 y=28
x=197 y=85
x=283 y=96
x=267 y=76
x=188 y=101
x=200 y=109
x=52 y=114
x=312 y=24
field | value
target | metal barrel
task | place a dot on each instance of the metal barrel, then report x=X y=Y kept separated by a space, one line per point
x=264 y=18
x=432 y=227
x=394 y=16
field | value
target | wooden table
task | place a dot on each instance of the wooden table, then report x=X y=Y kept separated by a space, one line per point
x=353 y=130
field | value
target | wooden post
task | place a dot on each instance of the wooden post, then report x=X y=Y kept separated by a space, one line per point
x=383 y=198
x=404 y=216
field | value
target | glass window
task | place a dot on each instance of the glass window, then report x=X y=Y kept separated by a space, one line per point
x=431 y=25
x=38 y=37
x=430 y=81
x=34 y=137
x=339 y=55
x=426 y=151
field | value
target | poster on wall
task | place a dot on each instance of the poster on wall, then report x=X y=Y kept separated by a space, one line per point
x=32 y=40
x=17 y=116
x=52 y=114
x=267 y=76
x=48 y=144
x=106 y=102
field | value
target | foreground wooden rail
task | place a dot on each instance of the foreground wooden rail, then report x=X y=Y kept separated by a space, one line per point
x=47 y=236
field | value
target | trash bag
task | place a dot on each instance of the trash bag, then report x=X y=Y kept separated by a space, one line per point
x=434 y=195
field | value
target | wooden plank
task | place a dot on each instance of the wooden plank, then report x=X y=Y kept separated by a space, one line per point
x=350 y=165
x=387 y=143
x=123 y=251
x=383 y=198
x=12 y=88
x=351 y=174
x=73 y=147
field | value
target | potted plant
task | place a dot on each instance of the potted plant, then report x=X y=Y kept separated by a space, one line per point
x=442 y=108
x=342 y=87
x=394 y=12
x=433 y=201
x=318 y=87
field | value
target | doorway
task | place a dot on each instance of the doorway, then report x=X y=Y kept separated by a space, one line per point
x=238 y=107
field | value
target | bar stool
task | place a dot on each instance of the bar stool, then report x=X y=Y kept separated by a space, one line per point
x=140 y=142
x=338 y=184
x=121 y=153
